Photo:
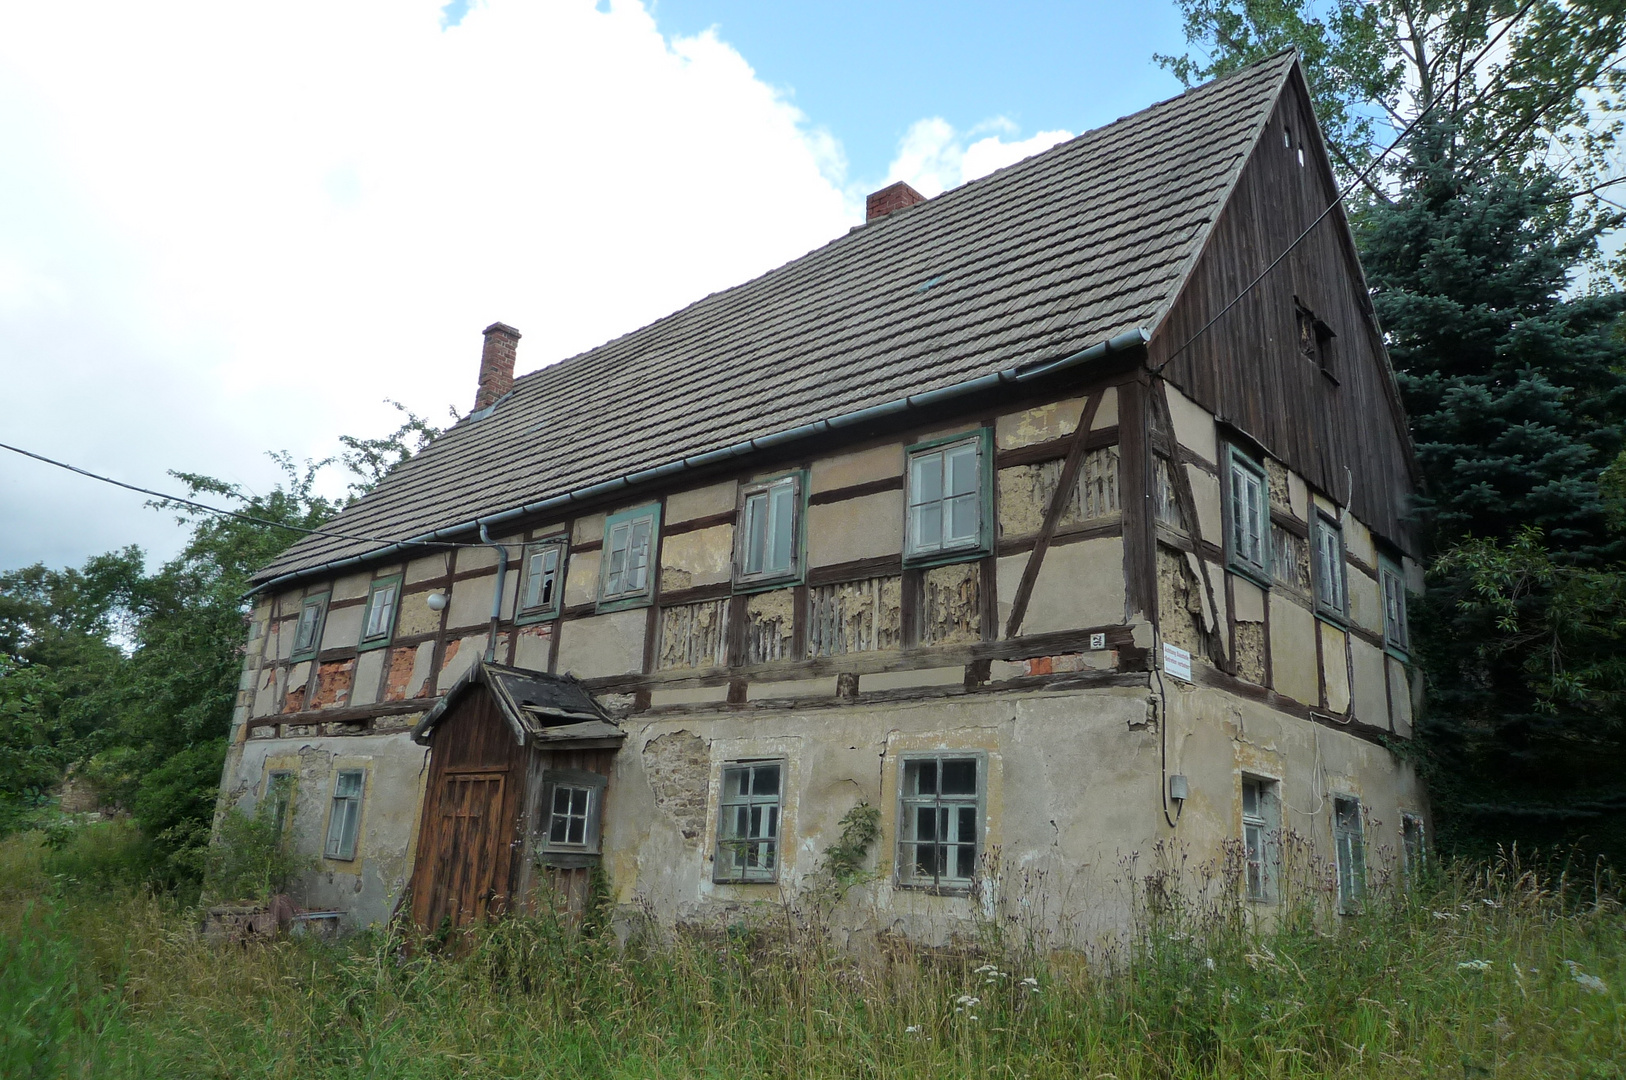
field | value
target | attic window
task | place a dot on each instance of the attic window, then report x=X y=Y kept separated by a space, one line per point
x=1315 y=340
x=308 y=631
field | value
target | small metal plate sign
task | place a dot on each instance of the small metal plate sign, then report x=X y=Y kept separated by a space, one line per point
x=1176 y=662
x=1098 y=641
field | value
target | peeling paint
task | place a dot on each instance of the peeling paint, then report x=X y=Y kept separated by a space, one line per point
x=1250 y=651
x=770 y=626
x=951 y=611
x=694 y=636
x=856 y=616
x=1179 y=602
x=333 y=681
x=678 y=765
x=1025 y=492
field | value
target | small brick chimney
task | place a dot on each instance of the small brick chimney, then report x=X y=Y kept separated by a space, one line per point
x=496 y=364
x=899 y=196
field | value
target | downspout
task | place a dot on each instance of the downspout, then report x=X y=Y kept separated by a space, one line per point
x=496 y=593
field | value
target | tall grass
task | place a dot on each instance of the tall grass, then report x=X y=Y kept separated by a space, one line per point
x=1481 y=972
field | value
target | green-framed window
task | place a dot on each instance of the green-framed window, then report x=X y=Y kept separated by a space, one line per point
x=627 y=578
x=1327 y=565
x=748 y=821
x=768 y=537
x=378 y=621
x=1247 y=516
x=308 y=630
x=542 y=579
x=1392 y=583
x=344 y=818
x=949 y=489
x=940 y=819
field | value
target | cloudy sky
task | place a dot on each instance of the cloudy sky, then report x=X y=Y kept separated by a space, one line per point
x=227 y=228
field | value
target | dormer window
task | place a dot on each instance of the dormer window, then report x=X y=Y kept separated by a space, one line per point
x=308 y=631
x=378 y=624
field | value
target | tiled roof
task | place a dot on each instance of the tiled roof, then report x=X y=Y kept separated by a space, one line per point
x=1059 y=252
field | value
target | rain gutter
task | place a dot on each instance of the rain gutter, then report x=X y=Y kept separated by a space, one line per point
x=1130 y=339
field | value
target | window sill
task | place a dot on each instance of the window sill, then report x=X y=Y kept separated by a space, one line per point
x=1403 y=655
x=756 y=585
x=625 y=603
x=530 y=618
x=1249 y=572
x=959 y=890
x=1333 y=619
x=368 y=646
x=567 y=860
x=945 y=558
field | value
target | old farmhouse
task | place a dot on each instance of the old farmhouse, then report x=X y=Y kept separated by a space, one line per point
x=1013 y=514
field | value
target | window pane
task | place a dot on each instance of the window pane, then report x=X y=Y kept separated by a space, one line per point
x=926 y=481
x=578 y=830
x=965 y=830
x=960 y=777
x=1250 y=797
x=925 y=823
x=561 y=800
x=962 y=470
x=767 y=780
x=559 y=829
x=928 y=526
x=638 y=554
x=966 y=864
x=963 y=515
x=616 y=569
x=348 y=785
x=782 y=534
x=756 y=532
x=922 y=776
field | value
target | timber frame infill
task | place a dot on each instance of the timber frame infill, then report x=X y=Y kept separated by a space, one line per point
x=1142 y=422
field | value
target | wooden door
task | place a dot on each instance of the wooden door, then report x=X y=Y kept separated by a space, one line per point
x=469 y=863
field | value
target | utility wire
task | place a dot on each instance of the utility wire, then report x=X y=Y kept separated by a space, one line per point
x=240 y=516
x=1359 y=178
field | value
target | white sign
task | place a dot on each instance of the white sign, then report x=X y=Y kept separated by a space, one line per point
x=1176 y=662
x=1098 y=641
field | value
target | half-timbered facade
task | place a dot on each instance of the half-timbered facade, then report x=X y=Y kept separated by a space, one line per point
x=1014 y=513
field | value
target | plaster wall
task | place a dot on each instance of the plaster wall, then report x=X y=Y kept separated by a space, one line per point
x=364 y=888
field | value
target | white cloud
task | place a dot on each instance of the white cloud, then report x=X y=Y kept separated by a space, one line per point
x=227 y=228
x=933 y=156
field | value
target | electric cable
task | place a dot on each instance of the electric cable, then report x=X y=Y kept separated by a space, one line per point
x=239 y=515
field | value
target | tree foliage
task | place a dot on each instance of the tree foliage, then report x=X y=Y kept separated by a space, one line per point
x=1481 y=238
x=132 y=674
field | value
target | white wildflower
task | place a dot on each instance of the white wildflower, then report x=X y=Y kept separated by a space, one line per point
x=912 y=1029
x=1488 y=902
x=1474 y=965
x=973 y=1016
x=985 y=969
x=1208 y=962
x=966 y=1001
x=1446 y=915
x=1590 y=983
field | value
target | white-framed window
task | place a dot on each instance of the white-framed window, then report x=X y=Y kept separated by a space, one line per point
x=947 y=490
x=940 y=818
x=748 y=818
x=308 y=630
x=629 y=555
x=1247 y=515
x=768 y=547
x=1349 y=849
x=572 y=816
x=344 y=818
x=1413 y=846
x=1261 y=835
x=1327 y=565
x=1395 y=633
x=544 y=572
x=379 y=621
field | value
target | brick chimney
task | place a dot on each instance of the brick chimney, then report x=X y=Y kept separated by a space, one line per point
x=496 y=364
x=899 y=196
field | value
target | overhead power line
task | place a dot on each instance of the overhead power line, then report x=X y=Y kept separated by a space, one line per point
x=1359 y=178
x=237 y=514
